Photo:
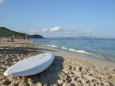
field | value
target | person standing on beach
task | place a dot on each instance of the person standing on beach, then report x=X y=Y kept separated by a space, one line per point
x=26 y=36
x=12 y=38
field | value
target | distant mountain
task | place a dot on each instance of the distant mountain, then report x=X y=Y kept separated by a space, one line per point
x=36 y=36
x=5 y=32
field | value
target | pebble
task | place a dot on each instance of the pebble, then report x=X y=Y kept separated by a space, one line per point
x=24 y=84
x=6 y=82
x=68 y=78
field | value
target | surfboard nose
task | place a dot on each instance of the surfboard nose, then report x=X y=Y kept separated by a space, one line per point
x=6 y=73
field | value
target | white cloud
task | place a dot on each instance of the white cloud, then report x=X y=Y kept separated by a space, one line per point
x=55 y=29
x=61 y=31
x=32 y=31
x=45 y=30
x=1 y=1
x=90 y=33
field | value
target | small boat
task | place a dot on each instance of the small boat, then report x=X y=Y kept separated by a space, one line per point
x=30 y=66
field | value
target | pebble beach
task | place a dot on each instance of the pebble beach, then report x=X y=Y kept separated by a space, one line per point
x=68 y=69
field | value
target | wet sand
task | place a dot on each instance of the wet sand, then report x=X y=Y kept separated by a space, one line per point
x=68 y=69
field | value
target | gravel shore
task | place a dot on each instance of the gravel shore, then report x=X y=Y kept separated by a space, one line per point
x=68 y=69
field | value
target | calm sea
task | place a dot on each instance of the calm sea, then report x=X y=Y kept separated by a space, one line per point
x=97 y=46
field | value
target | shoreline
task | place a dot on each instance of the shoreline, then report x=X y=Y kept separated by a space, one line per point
x=96 y=59
x=100 y=56
x=68 y=68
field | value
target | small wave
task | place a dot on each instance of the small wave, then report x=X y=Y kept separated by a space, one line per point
x=79 y=51
x=71 y=49
x=83 y=51
x=52 y=46
x=64 y=48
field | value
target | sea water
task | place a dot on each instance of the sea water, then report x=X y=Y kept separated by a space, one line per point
x=92 y=46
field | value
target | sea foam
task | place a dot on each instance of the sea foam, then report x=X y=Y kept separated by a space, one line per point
x=64 y=48
x=79 y=51
x=52 y=46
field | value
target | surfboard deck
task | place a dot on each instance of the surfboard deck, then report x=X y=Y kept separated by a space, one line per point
x=31 y=66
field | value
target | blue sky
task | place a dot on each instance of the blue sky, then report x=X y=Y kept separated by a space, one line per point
x=59 y=18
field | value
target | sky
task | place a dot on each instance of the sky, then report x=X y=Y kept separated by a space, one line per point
x=59 y=18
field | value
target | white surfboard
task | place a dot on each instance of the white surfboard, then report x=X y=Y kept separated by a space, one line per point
x=31 y=66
